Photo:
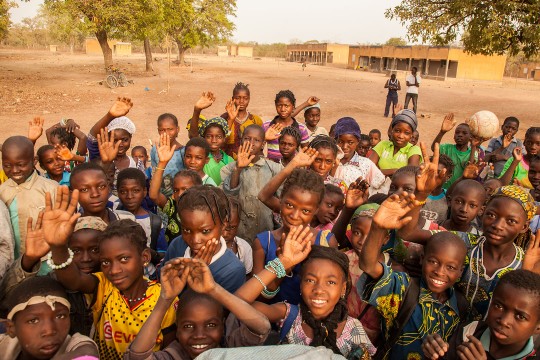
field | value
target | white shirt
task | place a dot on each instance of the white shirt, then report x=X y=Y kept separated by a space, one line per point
x=410 y=79
x=219 y=254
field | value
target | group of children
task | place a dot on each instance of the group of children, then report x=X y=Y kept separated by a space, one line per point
x=255 y=234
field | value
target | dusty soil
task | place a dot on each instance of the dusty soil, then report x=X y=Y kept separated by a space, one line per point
x=63 y=85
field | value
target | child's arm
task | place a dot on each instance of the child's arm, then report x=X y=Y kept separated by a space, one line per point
x=506 y=178
x=232 y=112
x=58 y=224
x=267 y=193
x=120 y=108
x=165 y=153
x=205 y=101
x=312 y=100
x=81 y=136
x=448 y=124
x=531 y=261
x=242 y=161
x=35 y=128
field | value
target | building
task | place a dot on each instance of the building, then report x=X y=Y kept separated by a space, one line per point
x=222 y=51
x=243 y=51
x=320 y=54
x=122 y=49
x=529 y=70
x=119 y=48
x=433 y=62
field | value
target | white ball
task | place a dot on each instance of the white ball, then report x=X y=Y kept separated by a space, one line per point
x=484 y=124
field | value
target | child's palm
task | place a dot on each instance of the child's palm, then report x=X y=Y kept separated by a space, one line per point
x=63 y=152
x=392 y=212
x=448 y=123
x=200 y=277
x=35 y=245
x=173 y=278
x=205 y=101
x=273 y=132
x=532 y=255
x=120 y=107
x=357 y=193
x=305 y=158
x=35 y=128
x=297 y=246
x=108 y=150
x=471 y=171
x=232 y=109
x=59 y=221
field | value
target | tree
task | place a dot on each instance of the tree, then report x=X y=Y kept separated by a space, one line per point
x=5 y=5
x=396 y=41
x=62 y=25
x=485 y=26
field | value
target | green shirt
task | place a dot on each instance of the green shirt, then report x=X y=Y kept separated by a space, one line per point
x=213 y=167
x=459 y=158
x=521 y=173
x=389 y=160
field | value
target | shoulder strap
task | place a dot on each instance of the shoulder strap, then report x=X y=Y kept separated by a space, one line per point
x=155 y=230
x=288 y=322
x=410 y=300
x=463 y=307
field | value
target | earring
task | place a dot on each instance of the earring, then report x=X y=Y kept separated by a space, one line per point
x=145 y=264
x=343 y=296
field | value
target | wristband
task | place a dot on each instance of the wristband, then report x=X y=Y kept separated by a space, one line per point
x=65 y=264
x=269 y=294
x=277 y=266
x=158 y=168
x=63 y=122
x=420 y=203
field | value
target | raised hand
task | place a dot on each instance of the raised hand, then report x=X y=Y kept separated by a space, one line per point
x=471 y=171
x=392 y=214
x=304 y=158
x=232 y=109
x=174 y=277
x=273 y=132
x=244 y=156
x=434 y=347
x=471 y=350
x=397 y=108
x=165 y=151
x=312 y=100
x=517 y=154
x=448 y=122
x=63 y=152
x=35 y=246
x=108 y=149
x=71 y=125
x=531 y=261
x=59 y=220
x=205 y=101
x=120 y=107
x=430 y=177
x=200 y=277
x=357 y=194
x=207 y=251
x=296 y=247
x=35 y=128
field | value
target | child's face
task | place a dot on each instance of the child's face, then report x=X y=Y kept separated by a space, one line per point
x=401 y=134
x=536 y=193
x=532 y=144
x=534 y=173
x=287 y=146
x=140 y=154
x=256 y=138
x=359 y=232
x=200 y=327
x=491 y=186
x=312 y=117
x=51 y=163
x=324 y=162
x=363 y=147
x=402 y=182
x=180 y=185
x=442 y=266
x=195 y=158
x=215 y=137
x=93 y=191
x=322 y=285
x=348 y=144
x=40 y=330
x=330 y=207
x=122 y=263
x=241 y=99
x=503 y=220
x=465 y=205
x=198 y=228
x=510 y=128
x=131 y=194
x=167 y=126
x=284 y=108
x=513 y=316
x=462 y=135
x=374 y=139
x=17 y=163
x=125 y=141
x=414 y=137
x=230 y=228
x=298 y=207
x=85 y=246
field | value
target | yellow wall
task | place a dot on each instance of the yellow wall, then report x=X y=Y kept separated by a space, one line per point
x=122 y=49
x=478 y=67
x=340 y=53
x=93 y=48
x=246 y=51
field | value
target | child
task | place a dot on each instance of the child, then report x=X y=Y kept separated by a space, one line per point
x=500 y=149
x=203 y=211
x=517 y=167
x=415 y=137
x=38 y=324
x=245 y=177
x=239 y=246
x=436 y=207
x=363 y=146
x=182 y=181
x=312 y=117
x=509 y=329
x=285 y=105
x=63 y=136
x=196 y=157
x=325 y=160
x=214 y=131
x=466 y=203
x=429 y=303
x=54 y=167
x=168 y=124
x=491 y=186
x=321 y=318
x=390 y=155
x=122 y=298
x=329 y=209
x=200 y=317
x=289 y=142
x=7 y=241
x=374 y=137
x=393 y=85
x=139 y=153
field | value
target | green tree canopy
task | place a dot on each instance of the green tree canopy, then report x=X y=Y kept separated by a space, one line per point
x=396 y=41
x=5 y=5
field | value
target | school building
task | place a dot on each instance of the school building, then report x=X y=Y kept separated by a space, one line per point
x=320 y=54
x=119 y=48
x=435 y=62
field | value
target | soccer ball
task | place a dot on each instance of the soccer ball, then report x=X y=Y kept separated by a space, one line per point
x=484 y=124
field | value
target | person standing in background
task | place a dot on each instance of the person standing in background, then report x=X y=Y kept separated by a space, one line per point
x=413 y=83
x=393 y=87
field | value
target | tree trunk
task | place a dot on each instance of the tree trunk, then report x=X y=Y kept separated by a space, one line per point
x=148 y=54
x=107 y=52
x=181 y=52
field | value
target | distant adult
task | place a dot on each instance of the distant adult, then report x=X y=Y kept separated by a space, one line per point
x=413 y=83
x=393 y=87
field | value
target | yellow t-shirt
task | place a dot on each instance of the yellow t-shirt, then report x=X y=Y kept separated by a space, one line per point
x=119 y=324
x=3 y=176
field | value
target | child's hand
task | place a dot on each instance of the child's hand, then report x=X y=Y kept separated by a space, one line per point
x=59 y=221
x=63 y=152
x=108 y=149
x=205 y=101
x=313 y=100
x=35 y=246
x=296 y=247
x=531 y=261
x=174 y=277
x=507 y=140
x=273 y=132
x=120 y=107
x=471 y=171
x=35 y=128
x=518 y=155
x=165 y=151
x=430 y=177
x=434 y=346
x=448 y=122
x=392 y=212
x=71 y=125
x=471 y=350
x=232 y=109
x=200 y=277
x=207 y=251
x=244 y=156
x=357 y=194
x=304 y=158
x=397 y=108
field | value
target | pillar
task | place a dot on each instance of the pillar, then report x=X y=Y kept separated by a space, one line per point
x=427 y=66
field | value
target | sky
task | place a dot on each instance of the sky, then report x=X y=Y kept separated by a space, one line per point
x=268 y=21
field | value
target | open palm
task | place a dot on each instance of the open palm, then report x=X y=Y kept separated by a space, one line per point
x=430 y=177
x=35 y=245
x=296 y=247
x=120 y=107
x=205 y=101
x=59 y=220
x=448 y=122
x=108 y=149
x=392 y=214
x=165 y=150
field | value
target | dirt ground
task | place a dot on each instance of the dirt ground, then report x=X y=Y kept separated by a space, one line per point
x=63 y=85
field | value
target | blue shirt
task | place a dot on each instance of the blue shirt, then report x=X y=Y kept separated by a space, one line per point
x=65 y=178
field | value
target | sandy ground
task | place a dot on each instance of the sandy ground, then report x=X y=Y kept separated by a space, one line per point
x=63 y=85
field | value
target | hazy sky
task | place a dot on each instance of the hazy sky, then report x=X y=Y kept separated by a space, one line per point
x=343 y=21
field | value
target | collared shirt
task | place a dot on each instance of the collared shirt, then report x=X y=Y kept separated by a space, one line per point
x=213 y=168
x=497 y=143
x=319 y=130
x=65 y=178
x=389 y=160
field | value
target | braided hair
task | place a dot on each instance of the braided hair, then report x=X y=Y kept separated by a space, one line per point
x=324 y=142
x=305 y=180
x=64 y=137
x=127 y=229
x=286 y=94
x=291 y=131
x=206 y=198
x=240 y=86
x=324 y=330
